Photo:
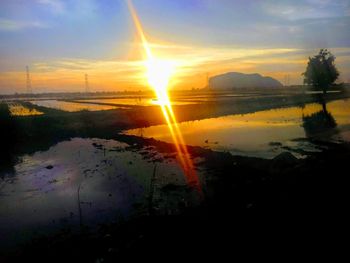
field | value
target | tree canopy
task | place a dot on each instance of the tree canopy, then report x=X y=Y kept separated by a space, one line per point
x=321 y=71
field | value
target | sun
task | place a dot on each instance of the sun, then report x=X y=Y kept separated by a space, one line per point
x=158 y=74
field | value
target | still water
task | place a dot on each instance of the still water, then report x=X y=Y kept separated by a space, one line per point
x=176 y=100
x=261 y=134
x=71 y=106
x=136 y=101
x=41 y=196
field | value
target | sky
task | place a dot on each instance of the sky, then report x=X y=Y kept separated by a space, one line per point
x=62 y=40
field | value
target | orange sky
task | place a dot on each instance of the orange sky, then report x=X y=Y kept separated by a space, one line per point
x=61 y=41
x=192 y=63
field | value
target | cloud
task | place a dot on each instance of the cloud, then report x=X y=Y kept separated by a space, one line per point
x=192 y=65
x=56 y=6
x=76 y=8
x=14 y=25
x=309 y=9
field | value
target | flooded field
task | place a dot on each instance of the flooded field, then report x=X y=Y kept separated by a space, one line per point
x=186 y=99
x=122 y=102
x=97 y=103
x=135 y=101
x=264 y=133
x=102 y=104
x=71 y=106
x=83 y=182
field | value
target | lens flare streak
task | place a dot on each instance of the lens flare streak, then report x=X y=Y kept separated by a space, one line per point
x=158 y=74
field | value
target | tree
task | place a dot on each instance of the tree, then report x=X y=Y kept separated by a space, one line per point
x=321 y=71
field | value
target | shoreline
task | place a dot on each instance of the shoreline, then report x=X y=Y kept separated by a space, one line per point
x=55 y=125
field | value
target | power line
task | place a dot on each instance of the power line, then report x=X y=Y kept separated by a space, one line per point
x=208 y=80
x=87 y=89
x=28 y=82
x=286 y=80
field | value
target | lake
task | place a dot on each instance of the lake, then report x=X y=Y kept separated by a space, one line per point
x=262 y=134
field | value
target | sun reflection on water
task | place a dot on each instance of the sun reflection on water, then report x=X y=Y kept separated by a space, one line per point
x=159 y=73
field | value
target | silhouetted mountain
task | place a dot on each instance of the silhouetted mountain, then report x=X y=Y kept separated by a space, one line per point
x=240 y=80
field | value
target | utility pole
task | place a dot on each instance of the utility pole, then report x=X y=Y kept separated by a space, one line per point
x=208 y=83
x=28 y=82
x=87 y=90
x=287 y=80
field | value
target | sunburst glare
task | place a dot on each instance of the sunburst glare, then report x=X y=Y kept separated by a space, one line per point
x=159 y=73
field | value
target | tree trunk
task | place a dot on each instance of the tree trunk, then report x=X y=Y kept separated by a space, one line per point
x=324 y=106
x=324 y=89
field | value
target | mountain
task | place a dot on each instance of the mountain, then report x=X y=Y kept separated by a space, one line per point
x=240 y=80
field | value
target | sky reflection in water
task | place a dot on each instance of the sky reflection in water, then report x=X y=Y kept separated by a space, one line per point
x=254 y=134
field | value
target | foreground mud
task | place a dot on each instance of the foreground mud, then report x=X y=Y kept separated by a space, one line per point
x=245 y=200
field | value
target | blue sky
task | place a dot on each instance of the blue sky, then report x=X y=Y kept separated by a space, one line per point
x=62 y=39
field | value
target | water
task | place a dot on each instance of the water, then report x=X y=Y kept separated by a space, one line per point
x=100 y=104
x=97 y=104
x=141 y=101
x=261 y=134
x=176 y=99
x=72 y=106
x=41 y=196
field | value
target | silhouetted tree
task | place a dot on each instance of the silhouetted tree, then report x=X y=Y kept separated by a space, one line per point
x=321 y=71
